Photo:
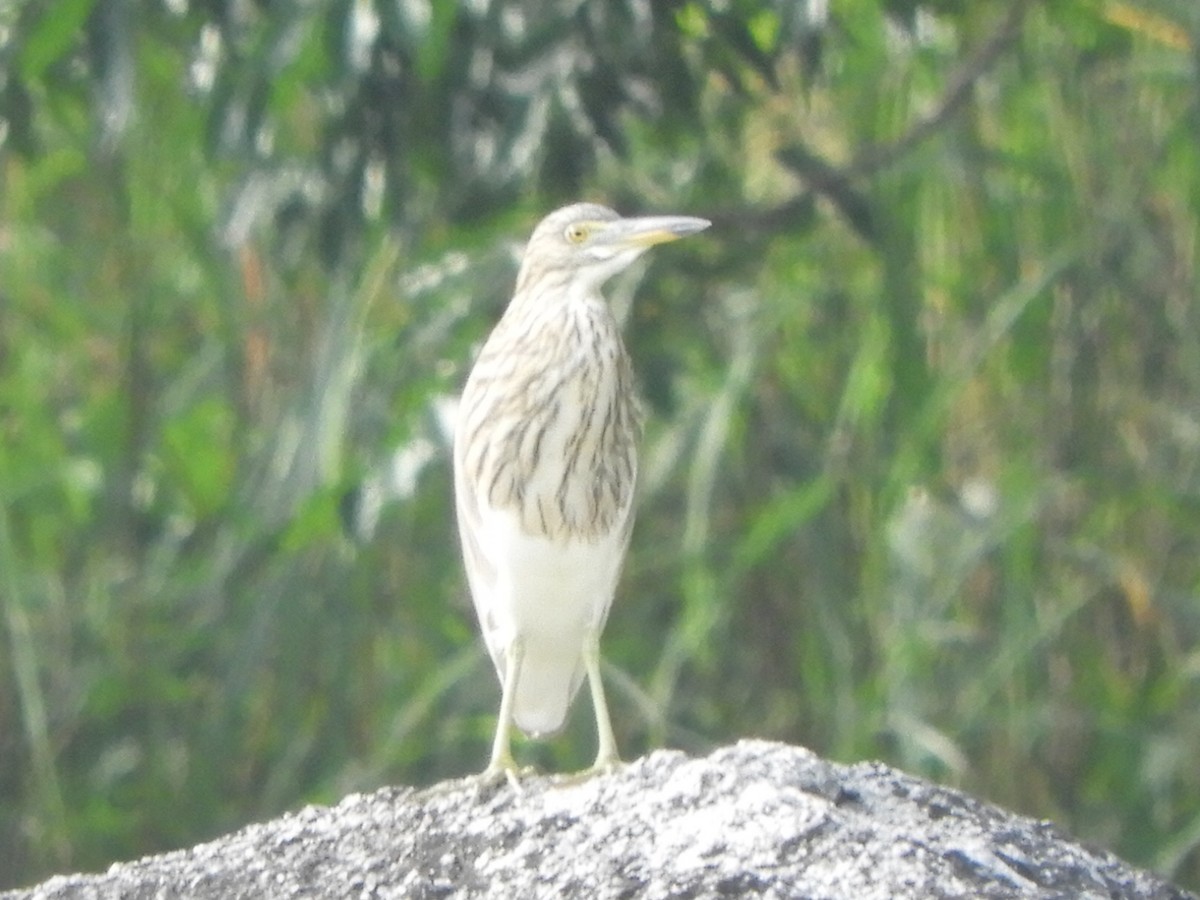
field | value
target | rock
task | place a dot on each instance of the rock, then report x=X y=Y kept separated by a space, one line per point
x=757 y=819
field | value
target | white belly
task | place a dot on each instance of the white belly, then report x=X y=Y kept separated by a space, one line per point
x=553 y=596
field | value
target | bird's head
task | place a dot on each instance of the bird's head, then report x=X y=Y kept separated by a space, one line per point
x=589 y=243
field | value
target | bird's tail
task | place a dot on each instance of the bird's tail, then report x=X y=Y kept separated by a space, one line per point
x=546 y=685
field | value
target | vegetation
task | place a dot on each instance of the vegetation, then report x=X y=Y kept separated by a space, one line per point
x=922 y=470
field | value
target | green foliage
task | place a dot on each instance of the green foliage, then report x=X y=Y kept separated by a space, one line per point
x=920 y=479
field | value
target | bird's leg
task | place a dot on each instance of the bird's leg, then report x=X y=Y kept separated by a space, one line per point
x=502 y=762
x=607 y=759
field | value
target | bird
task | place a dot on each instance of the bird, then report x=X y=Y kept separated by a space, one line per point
x=545 y=467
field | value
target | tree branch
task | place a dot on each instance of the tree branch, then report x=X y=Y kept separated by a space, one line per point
x=835 y=182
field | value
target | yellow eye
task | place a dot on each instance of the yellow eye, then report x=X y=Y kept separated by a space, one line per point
x=576 y=233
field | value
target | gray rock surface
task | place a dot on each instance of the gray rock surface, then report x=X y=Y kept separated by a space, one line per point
x=758 y=819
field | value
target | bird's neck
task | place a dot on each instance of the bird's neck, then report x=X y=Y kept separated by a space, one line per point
x=553 y=301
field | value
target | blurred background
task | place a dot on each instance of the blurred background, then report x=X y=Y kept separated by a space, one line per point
x=921 y=479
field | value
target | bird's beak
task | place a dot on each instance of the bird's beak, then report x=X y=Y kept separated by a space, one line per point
x=646 y=231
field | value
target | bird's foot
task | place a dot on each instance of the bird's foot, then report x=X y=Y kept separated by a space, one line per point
x=606 y=765
x=505 y=767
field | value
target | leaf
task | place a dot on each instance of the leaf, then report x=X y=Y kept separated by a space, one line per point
x=196 y=451
x=778 y=520
x=61 y=25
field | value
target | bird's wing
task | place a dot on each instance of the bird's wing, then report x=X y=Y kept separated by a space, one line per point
x=481 y=571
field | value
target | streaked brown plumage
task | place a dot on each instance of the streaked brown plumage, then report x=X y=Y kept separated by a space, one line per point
x=545 y=465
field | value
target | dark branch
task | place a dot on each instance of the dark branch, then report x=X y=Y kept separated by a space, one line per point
x=835 y=183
